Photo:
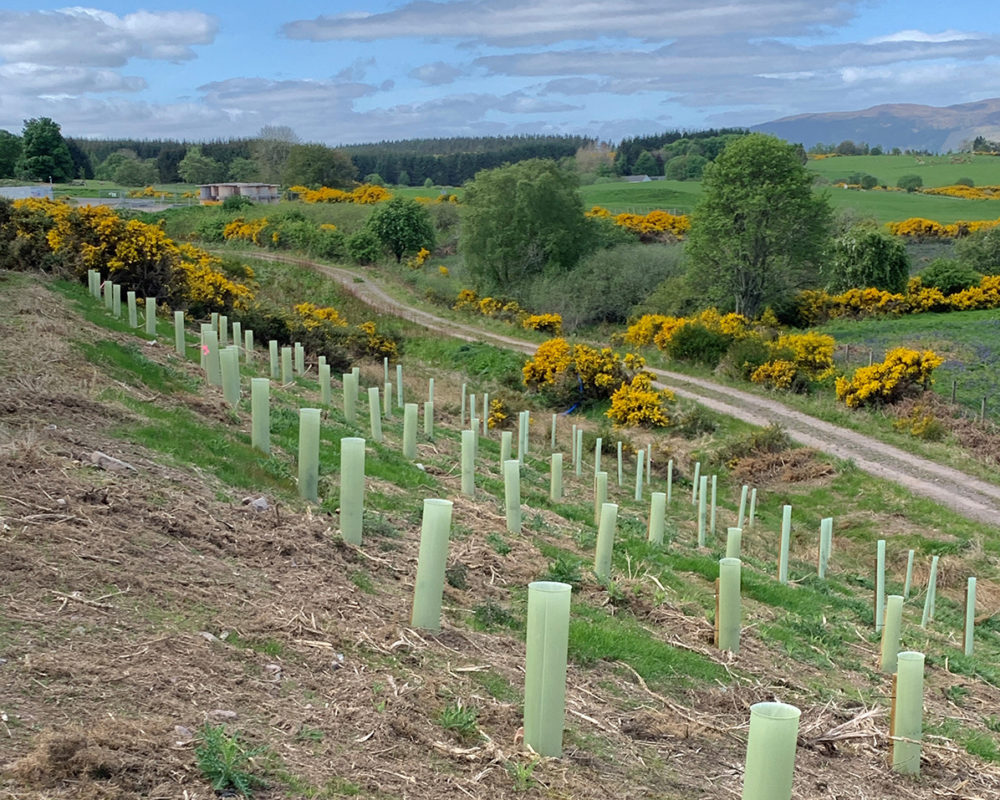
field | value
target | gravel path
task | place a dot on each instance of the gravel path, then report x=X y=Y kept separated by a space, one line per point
x=965 y=494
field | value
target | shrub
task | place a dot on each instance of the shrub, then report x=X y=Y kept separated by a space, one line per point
x=743 y=357
x=965 y=182
x=364 y=247
x=771 y=439
x=697 y=343
x=578 y=372
x=910 y=182
x=778 y=374
x=981 y=250
x=546 y=323
x=236 y=202
x=949 y=276
x=865 y=257
x=903 y=372
x=638 y=404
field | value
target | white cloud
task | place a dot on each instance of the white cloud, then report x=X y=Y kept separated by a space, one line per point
x=21 y=78
x=912 y=35
x=511 y=22
x=90 y=37
x=435 y=74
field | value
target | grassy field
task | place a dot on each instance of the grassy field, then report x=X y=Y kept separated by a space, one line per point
x=674 y=196
x=935 y=170
x=681 y=197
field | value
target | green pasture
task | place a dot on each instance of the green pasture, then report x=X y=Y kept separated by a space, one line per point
x=942 y=170
x=619 y=197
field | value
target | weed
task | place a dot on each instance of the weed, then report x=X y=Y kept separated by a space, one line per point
x=489 y=616
x=223 y=761
x=378 y=525
x=461 y=719
x=309 y=734
x=522 y=773
x=495 y=540
x=957 y=694
x=565 y=569
x=457 y=576
x=363 y=581
x=497 y=686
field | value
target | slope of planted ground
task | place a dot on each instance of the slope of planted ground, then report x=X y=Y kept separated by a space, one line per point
x=150 y=616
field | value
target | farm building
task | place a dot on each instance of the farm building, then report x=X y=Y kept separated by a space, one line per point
x=258 y=192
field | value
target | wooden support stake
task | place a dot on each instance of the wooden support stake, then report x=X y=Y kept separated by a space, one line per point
x=717 y=582
x=892 y=716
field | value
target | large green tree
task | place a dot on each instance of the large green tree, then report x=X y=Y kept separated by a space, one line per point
x=402 y=226
x=758 y=232
x=318 y=165
x=521 y=221
x=196 y=167
x=44 y=153
x=10 y=152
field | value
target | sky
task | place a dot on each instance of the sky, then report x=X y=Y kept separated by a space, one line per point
x=351 y=71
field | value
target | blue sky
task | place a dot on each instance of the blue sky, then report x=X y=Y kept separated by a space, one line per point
x=350 y=71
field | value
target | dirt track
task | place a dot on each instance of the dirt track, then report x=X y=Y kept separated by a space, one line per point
x=969 y=496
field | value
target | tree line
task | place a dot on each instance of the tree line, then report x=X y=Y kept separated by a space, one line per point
x=274 y=155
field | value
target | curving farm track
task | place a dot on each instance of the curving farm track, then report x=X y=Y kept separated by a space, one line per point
x=965 y=494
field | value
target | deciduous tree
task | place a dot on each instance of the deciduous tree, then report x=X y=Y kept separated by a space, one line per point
x=759 y=231
x=318 y=165
x=521 y=221
x=402 y=226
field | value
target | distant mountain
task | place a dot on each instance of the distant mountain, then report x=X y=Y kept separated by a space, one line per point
x=906 y=126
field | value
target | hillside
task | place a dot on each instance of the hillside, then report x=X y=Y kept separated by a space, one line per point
x=906 y=126
x=139 y=605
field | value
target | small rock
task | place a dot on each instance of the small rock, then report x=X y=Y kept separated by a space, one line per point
x=257 y=503
x=184 y=734
x=208 y=636
x=79 y=630
x=104 y=461
x=420 y=466
x=222 y=715
x=61 y=501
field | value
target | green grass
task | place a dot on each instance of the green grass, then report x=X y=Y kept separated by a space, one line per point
x=935 y=171
x=969 y=341
x=595 y=636
x=679 y=197
x=475 y=359
x=127 y=363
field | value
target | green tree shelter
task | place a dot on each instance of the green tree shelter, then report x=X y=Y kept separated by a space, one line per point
x=521 y=221
x=758 y=232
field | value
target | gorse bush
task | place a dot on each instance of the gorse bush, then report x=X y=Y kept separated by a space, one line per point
x=904 y=371
x=578 y=373
x=638 y=404
x=44 y=234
